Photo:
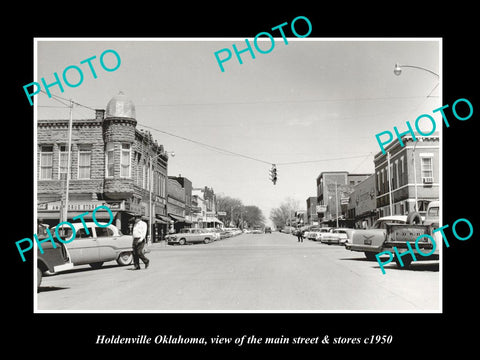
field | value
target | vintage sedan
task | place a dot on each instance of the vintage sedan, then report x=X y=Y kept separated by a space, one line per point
x=337 y=236
x=99 y=245
x=188 y=235
x=318 y=234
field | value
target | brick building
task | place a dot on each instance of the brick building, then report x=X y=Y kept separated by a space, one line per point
x=407 y=173
x=362 y=204
x=112 y=163
x=333 y=194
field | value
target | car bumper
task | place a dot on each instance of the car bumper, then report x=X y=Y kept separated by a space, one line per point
x=362 y=248
x=63 y=267
x=330 y=241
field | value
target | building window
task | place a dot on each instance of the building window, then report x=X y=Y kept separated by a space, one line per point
x=427 y=170
x=392 y=184
x=84 y=161
x=378 y=183
x=397 y=174
x=125 y=162
x=46 y=162
x=144 y=174
x=63 y=162
x=402 y=172
x=383 y=182
x=109 y=160
x=138 y=175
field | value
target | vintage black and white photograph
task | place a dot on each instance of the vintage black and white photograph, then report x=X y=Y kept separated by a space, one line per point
x=267 y=174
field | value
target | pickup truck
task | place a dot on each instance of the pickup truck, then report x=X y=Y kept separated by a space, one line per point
x=53 y=260
x=395 y=231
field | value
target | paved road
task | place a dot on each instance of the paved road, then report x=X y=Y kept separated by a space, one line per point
x=269 y=272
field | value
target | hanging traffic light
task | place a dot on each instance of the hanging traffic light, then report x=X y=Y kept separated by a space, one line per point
x=273 y=174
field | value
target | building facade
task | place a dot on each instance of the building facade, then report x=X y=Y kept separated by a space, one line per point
x=112 y=164
x=333 y=194
x=407 y=177
x=312 y=217
x=176 y=204
x=204 y=208
x=362 y=204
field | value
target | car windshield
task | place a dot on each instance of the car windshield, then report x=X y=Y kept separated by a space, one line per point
x=382 y=224
x=433 y=211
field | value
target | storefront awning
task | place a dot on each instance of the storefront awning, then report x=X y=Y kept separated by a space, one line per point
x=163 y=219
x=177 y=217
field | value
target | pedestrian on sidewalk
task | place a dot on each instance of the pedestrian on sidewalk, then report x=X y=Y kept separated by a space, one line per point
x=139 y=234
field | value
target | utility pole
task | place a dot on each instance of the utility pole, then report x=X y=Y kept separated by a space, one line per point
x=336 y=200
x=389 y=183
x=69 y=161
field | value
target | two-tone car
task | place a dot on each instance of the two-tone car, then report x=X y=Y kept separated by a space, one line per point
x=190 y=236
x=338 y=236
x=95 y=245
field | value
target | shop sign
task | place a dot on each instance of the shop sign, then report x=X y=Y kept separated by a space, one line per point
x=79 y=205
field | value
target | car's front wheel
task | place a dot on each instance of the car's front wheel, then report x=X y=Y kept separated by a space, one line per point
x=96 y=265
x=181 y=241
x=39 y=277
x=125 y=258
x=206 y=241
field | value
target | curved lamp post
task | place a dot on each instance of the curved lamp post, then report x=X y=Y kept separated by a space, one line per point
x=397 y=70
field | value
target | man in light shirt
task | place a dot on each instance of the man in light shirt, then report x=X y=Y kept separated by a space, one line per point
x=139 y=233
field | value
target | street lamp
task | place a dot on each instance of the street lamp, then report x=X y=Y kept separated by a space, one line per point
x=397 y=70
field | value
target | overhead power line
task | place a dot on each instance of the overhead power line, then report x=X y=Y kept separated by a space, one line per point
x=215 y=148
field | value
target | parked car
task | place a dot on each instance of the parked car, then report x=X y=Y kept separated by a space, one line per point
x=338 y=236
x=190 y=235
x=365 y=241
x=216 y=232
x=317 y=235
x=99 y=245
x=268 y=230
x=310 y=234
x=53 y=260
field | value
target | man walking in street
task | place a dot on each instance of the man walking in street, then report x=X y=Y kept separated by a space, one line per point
x=139 y=233
x=300 y=235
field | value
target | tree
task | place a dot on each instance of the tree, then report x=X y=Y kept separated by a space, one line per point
x=238 y=214
x=281 y=216
x=253 y=216
x=232 y=207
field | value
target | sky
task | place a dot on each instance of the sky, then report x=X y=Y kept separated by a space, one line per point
x=317 y=102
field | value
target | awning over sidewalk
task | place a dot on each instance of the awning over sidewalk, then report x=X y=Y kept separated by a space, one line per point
x=162 y=219
x=177 y=217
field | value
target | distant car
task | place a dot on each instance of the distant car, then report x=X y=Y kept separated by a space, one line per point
x=337 y=236
x=318 y=234
x=191 y=235
x=53 y=260
x=216 y=232
x=268 y=230
x=101 y=244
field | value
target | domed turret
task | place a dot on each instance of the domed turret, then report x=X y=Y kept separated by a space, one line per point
x=120 y=106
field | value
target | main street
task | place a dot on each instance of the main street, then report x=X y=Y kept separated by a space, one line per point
x=269 y=272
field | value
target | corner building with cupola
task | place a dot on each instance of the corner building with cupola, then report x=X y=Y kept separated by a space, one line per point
x=112 y=164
